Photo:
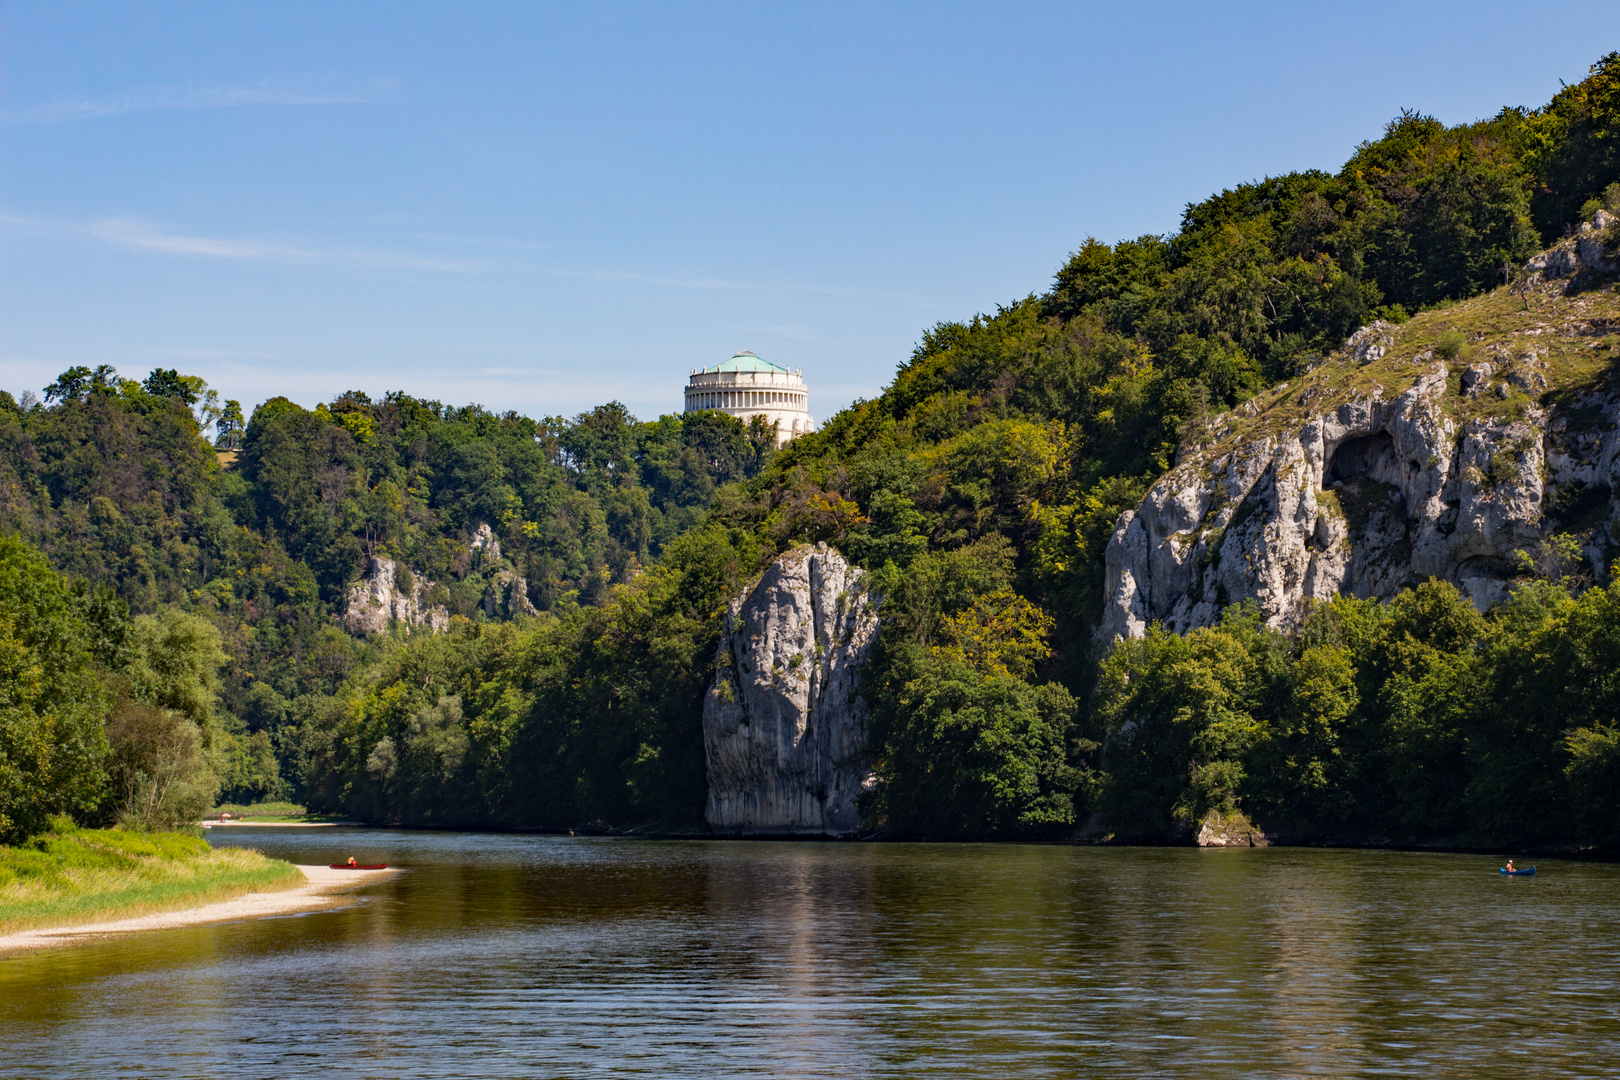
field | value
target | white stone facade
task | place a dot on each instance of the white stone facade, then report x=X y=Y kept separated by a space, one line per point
x=746 y=386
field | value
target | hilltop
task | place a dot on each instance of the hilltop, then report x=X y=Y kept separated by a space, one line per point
x=1312 y=430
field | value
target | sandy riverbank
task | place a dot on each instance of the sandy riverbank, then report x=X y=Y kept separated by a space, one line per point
x=324 y=889
x=278 y=824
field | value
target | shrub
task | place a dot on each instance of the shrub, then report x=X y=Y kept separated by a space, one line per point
x=160 y=770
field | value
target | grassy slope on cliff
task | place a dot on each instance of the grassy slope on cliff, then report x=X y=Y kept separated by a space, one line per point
x=1573 y=334
x=69 y=877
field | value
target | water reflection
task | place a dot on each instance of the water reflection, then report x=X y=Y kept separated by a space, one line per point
x=557 y=956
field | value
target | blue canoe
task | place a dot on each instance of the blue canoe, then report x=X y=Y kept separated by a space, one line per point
x=1518 y=873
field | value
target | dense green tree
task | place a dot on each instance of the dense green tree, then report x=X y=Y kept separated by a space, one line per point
x=169 y=383
x=52 y=700
x=979 y=490
x=974 y=753
x=1572 y=146
x=1179 y=716
x=230 y=426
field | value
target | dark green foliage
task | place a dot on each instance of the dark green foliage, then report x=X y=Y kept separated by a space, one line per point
x=973 y=754
x=595 y=716
x=167 y=383
x=51 y=698
x=115 y=483
x=1293 y=264
x=979 y=491
x=1572 y=147
x=1414 y=720
x=968 y=745
x=230 y=427
x=1178 y=718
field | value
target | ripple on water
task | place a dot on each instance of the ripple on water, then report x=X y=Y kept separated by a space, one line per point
x=559 y=956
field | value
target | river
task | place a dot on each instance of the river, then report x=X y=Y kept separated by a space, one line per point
x=543 y=956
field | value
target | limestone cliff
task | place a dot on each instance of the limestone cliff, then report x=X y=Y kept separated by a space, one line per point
x=784 y=732
x=1440 y=448
x=507 y=596
x=384 y=594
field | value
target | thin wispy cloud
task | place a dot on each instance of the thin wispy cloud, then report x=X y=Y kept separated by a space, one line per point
x=303 y=90
x=503 y=244
x=135 y=235
x=715 y=284
x=143 y=237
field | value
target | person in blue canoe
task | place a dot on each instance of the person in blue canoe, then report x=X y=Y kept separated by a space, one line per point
x=1509 y=866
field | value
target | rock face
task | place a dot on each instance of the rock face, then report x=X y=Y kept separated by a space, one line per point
x=380 y=596
x=1426 y=472
x=1364 y=500
x=784 y=732
x=1581 y=253
x=483 y=549
x=507 y=596
x=387 y=591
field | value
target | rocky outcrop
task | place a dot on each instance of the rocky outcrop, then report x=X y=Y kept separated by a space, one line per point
x=507 y=596
x=384 y=595
x=388 y=592
x=784 y=732
x=1364 y=500
x=1587 y=252
x=483 y=549
x=1386 y=468
x=1231 y=829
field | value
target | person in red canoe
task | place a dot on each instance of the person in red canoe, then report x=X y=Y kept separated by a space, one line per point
x=352 y=862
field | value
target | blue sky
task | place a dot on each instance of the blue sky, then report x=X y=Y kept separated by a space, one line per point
x=544 y=207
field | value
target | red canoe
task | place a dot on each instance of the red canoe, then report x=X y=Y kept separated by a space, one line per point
x=346 y=866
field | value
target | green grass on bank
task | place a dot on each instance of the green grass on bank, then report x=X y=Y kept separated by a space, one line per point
x=75 y=876
x=260 y=810
x=270 y=811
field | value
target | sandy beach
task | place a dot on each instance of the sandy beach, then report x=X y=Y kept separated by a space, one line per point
x=324 y=888
x=277 y=824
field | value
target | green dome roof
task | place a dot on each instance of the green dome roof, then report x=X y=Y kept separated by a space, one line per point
x=745 y=361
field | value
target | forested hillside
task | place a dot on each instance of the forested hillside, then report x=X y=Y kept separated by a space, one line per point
x=979 y=491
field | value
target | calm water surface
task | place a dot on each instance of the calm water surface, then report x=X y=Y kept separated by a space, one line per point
x=559 y=956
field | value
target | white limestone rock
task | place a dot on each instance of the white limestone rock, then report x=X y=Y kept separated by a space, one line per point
x=1371 y=342
x=1364 y=500
x=507 y=596
x=1582 y=252
x=380 y=597
x=784 y=731
x=483 y=548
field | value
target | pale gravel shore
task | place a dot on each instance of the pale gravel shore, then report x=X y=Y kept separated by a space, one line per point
x=323 y=890
x=277 y=824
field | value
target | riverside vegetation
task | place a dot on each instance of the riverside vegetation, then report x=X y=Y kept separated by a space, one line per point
x=168 y=608
x=69 y=876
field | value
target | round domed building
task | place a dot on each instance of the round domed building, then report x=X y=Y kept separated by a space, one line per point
x=746 y=386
